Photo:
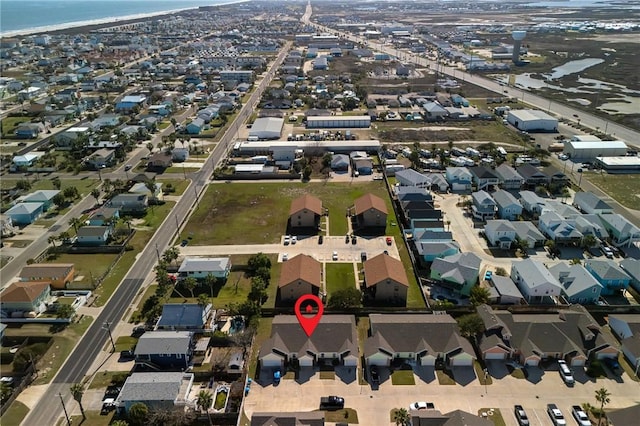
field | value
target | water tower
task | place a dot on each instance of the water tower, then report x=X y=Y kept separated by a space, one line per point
x=518 y=36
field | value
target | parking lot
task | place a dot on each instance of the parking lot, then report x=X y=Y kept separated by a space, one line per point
x=373 y=406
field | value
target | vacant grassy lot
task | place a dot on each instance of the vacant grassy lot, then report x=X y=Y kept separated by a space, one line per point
x=106 y=378
x=622 y=188
x=10 y=124
x=257 y=213
x=125 y=343
x=339 y=276
x=346 y=415
x=89 y=267
x=84 y=186
x=63 y=343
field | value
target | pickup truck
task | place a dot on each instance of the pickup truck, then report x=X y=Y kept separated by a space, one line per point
x=331 y=402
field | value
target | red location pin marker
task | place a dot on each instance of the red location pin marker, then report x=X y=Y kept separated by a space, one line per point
x=309 y=324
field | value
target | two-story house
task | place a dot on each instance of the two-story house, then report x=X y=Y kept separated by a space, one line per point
x=508 y=206
x=535 y=281
x=460 y=179
x=607 y=272
x=484 y=206
x=578 y=285
x=500 y=233
x=166 y=350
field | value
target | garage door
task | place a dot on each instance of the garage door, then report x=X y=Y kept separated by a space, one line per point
x=532 y=362
x=270 y=363
x=462 y=361
x=428 y=361
x=577 y=362
x=306 y=361
x=495 y=355
x=351 y=361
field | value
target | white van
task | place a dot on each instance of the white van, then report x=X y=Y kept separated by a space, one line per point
x=565 y=373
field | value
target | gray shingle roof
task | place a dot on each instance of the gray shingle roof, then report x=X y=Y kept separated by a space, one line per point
x=574 y=279
x=181 y=315
x=163 y=342
x=607 y=269
x=460 y=267
x=504 y=198
x=505 y=286
x=152 y=387
x=590 y=200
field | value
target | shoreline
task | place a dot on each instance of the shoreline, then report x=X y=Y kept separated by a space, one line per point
x=106 y=22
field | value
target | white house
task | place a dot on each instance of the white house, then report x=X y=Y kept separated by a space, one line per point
x=535 y=281
x=500 y=233
x=201 y=267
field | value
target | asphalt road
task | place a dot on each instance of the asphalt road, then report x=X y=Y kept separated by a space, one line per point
x=49 y=408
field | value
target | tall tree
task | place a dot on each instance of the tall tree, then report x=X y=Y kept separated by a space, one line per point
x=602 y=396
x=345 y=298
x=479 y=295
x=52 y=240
x=138 y=413
x=470 y=325
x=76 y=222
x=95 y=193
x=205 y=399
x=190 y=284
x=171 y=254
x=77 y=391
x=211 y=281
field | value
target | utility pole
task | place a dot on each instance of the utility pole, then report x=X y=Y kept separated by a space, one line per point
x=65 y=409
x=113 y=345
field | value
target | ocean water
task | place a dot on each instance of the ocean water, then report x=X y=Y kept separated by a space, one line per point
x=19 y=16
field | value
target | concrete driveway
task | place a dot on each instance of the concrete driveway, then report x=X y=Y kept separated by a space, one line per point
x=373 y=406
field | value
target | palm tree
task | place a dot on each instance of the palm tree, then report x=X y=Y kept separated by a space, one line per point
x=211 y=281
x=52 y=240
x=190 y=284
x=76 y=222
x=205 y=399
x=77 y=390
x=203 y=299
x=602 y=396
x=95 y=193
x=401 y=417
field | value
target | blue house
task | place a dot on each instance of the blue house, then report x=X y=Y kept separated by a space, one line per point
x=195 y=127
x=24 y=213
x=167 y=350
x=431 y=250
x=130 y=102
x=183 y=316
x=577 y=284
x=104 y=216
x=25 y=160
x=43 y=196
x=609 y=274
x=93 y=235
x=508 y=206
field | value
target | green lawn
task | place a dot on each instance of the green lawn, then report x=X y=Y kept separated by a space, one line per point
x=480 y=374
x=402 y=377
x=89 y=267
x=622 y=188
x=339 y=277
x=346 y=415
x=444 y=378
x=262 y=334
x=178 y=185
x=15 y=414
x=181 y=170
x=157 y=214
x=106 y=378
x=63 y=343
x=125 y=343
x=93 y=419
x=264 y=208
x=84 y=186
x=10 y=124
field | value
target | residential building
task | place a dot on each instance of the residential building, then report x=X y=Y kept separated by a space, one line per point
x=159 y=161
x=459 y=178
x=622 y=232
x=418 y=340
x=632 y=268
x=370 y=211
x=184 y=316
x=142 y=188
x=500 y=233
x=25 y=297
x=195 y=126
x=590 y=224
x=508 y=206
x=430 y=250
x=202 y=267
x=506 y=291
x=607 y=272
x=156 y=390
x=24 y=213
x=458 y=272
x=58 y=274
x=509 y=177
x=385 y=280
x=133 y=204
x=410 y=177
x=438 y=182
x=25 y=160
x=533 y=176
x=484 y=206
x=559 y=229
x=102 y=158
x=334 y=342
x=93 y=235
x=305 y=212
x=578 y=285
x=484 y=178
x=526 y=230
x=300 y=275
x=531 y=202
x=166 y=350
x=535 y=281
x=571 y=335
x=626 y=327
x=104 y=216
x=44 y=196
x=311 y=418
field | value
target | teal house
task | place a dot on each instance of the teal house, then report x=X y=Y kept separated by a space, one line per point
x=612 y=277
